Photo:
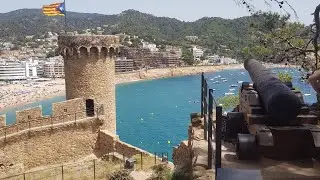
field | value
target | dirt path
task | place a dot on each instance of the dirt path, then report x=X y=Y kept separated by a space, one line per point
x=140 y=175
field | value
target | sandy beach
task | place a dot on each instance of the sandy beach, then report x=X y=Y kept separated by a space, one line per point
x=12 y=95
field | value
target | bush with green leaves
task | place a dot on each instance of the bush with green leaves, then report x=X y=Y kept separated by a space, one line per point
x=228 y=102
x=161 y=172
x=120 y=175
x=285 y=77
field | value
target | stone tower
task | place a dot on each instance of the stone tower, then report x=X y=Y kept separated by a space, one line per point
x=89 y=66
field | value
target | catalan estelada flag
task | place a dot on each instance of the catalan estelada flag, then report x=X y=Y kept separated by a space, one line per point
x=56 y=9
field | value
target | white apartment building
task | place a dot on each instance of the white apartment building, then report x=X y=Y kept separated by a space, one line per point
x=12 y=71
x=152 y=47
x=215 y=59
x=31 y=70
x=192 y=38
x=197 y=53
x=226 y=60
x=17 y=70
x=53 y=70
x=123 y=64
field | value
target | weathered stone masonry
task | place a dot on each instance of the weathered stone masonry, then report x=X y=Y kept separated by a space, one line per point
x=89 y=71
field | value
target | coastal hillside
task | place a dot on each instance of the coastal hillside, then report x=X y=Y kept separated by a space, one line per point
x=212 y=31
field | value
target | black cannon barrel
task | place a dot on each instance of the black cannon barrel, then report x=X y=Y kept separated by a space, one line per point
x=278 y=99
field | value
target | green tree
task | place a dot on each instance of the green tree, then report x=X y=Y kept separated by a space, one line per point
x=275 y=39
x=187 y=56
x=50 y=54
x=136 y=42
x=285 y=77
x=162 y=48
x=228 y=102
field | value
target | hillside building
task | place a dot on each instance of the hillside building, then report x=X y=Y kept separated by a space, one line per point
x=122 y=64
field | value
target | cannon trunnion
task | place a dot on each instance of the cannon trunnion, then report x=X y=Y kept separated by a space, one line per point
x=257 y=129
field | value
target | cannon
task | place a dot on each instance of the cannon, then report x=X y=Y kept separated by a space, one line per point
x=271 y=119
x=277 y=99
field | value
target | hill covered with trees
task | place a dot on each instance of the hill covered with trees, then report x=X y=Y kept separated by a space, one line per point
x=217 y=35
x=212 y=32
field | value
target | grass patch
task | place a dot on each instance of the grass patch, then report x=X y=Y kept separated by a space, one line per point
x=147 y=162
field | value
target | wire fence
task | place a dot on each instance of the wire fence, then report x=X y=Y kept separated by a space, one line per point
x=49 y=121
x=92 y=169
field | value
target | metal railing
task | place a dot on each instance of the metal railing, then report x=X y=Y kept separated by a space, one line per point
x=91 y=169
x=48 y=121
x=204 y=103
x=208 y=102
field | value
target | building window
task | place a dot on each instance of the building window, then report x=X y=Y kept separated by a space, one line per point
x=65 y=110
x=29 y=117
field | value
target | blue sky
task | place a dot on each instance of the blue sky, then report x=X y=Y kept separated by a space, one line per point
x=186 y=10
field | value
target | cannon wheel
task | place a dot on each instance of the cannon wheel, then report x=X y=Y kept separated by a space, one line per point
x=246 y=147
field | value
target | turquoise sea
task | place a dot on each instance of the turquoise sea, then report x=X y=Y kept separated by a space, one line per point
x=154 y=114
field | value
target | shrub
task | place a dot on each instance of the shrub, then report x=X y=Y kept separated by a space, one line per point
x=228 y=102
x=160 y=172
x=284 y=77
x=120 y=175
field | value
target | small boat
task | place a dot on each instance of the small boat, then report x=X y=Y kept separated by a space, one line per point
x=240 y=82
x=307 y=94
x=224 y=80
x=233 y=85
x=232 y=89
x=229 y=93
x=211 y=79
x=218 y=76
x=216 y=82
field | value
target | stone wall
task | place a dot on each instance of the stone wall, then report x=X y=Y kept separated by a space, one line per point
x=28 y=114
x=128 y=150
x=69 y=110
x=2 y=120
x=49 y=145
x=108 y=142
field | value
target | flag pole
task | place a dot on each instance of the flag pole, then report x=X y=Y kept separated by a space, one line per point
x=65 y=16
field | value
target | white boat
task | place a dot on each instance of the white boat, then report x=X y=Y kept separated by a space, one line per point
x=218 y=76
x=233 y=85
x=232 y=89
x=307 y=94
x=216 y=82
x=211 y=79
x=240 y=82
x=229 y=93
x=225 y=80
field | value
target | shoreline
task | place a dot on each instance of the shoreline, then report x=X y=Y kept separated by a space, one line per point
x=50 y=89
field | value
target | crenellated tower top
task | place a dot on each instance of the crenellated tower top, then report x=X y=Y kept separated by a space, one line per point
x=85 y=46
